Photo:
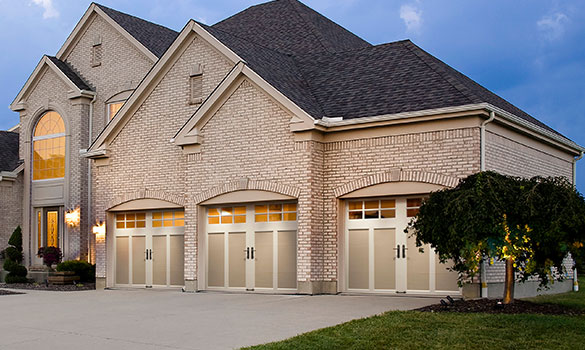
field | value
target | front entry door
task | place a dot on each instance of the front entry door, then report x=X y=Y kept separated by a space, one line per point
x=149 y=249
x=252 y=247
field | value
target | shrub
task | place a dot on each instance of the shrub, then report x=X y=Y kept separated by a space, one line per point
x=16 y=239
x=50 y=255
x=15 y=279
x=13 y=254
x=83 y=269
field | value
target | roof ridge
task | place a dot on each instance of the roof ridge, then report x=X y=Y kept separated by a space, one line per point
x=294 y=4
x=424 y=57
x=248 y=40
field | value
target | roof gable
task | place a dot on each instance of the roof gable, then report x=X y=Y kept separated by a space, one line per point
x=149 y=38
x=154 y=37
x=290 y=27
x=63 y=71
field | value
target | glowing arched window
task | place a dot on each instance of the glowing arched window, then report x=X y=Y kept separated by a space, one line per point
x=49 y=147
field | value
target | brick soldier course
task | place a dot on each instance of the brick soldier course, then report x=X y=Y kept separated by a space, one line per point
x=300 y=111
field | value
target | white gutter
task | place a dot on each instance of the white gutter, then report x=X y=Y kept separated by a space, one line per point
x=483 y=272
x=11 y=175
x=89 y=141
x=575 y=160
x=330 y=122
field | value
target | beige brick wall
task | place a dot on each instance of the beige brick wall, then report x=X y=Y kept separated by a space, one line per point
x=10 y=208
x=123 y=66
x=143 y=158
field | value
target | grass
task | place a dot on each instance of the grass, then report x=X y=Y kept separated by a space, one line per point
x=418 y=330
x=572 y=300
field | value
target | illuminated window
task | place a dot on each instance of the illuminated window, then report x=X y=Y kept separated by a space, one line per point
x=113 y=108
x=49 y=147
x=275 y=212
x=131 y=220
x=226 y=215
x=168 y=218
x=372 y=209
x=413 y=206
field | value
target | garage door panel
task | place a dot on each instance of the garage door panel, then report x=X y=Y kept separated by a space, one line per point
x=384 y=262
x=287 y=259
x=418 y=265
x=122 y=260
x=446 y=280
x=359 y=259
x=159 y=260
x=264 y=273
x=177 y=258
x=138 y=260
x=237 y=259
x=216 y=248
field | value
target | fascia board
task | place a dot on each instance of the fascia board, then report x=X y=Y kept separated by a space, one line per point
x=33 y=78
x=93 y=8
x=146 y=86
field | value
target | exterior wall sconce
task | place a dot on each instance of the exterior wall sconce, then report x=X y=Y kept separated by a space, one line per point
x=72 y=217
x=99 y=230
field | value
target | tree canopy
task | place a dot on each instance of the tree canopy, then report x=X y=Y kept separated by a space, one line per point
x=531 y=223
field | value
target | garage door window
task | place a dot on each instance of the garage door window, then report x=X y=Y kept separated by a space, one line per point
x=372 y=209
x=275 y=212
x=413 y=206
x=131 y=220
x=168 y=218
x=226 y=215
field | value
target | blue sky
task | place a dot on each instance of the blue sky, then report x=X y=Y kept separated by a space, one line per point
x=530 y=52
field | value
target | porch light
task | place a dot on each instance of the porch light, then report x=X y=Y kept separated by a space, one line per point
x=72 y=217
x=99 y=230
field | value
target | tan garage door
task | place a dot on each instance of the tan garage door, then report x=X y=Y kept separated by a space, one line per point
x=149 y=248
x=252 y=246
x=381 y=257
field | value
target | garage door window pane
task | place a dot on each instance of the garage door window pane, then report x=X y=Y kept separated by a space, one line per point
x=275 y=217
x=373 y=214
x=388 y=214
x=290 y=207
x=355 y=215
x=261 y=217
x=130 y=220
x=290 y=216
x=274 y=208
x=355 y=205
x=213 y=220
x=388 y=204
x=413 y=206
x=372 y=204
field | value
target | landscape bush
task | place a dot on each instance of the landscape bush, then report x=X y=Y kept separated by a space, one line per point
x=83 y=269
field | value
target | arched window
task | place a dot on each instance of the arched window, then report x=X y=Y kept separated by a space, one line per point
x=49 y=147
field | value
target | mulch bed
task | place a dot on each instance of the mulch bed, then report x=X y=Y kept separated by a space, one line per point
x=8 y=292
x=51 y=287
x=491 y=306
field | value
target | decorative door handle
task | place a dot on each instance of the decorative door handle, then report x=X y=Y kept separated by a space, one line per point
x=252 y=253
x=150 y=254
x=397 y=249
x=146 y=251
x=247 y=253
x=404 y=249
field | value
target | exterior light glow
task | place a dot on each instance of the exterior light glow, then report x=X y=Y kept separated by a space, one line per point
x=72 y=217
x=100 y=230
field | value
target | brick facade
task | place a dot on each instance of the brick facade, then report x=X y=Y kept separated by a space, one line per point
x=10 y=208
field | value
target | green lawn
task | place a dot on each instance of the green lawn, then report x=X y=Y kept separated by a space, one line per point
x=572 y=300
x=418 y=330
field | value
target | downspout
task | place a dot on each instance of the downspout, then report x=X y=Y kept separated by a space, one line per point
x=89 y=140
x=575 y=160
x=483 y=271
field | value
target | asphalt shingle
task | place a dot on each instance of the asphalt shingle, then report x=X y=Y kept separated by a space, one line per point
x=9 y=159
x=70 y=73
x=154 y=37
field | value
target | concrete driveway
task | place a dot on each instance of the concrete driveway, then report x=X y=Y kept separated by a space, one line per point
x=151 y=319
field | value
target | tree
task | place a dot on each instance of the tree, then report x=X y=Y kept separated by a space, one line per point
x=531 y=224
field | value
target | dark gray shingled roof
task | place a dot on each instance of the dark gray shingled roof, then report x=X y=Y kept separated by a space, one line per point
x=154 y=37
x=290 y=27
x=70 y=73
x=327 y=70
x=9 y=159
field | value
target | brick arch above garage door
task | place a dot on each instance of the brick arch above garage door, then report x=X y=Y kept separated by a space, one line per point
x=148 y=194
x=396 y=175
x=247 y=184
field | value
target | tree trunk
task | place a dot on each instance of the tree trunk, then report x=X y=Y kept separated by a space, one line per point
x=509 y=284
